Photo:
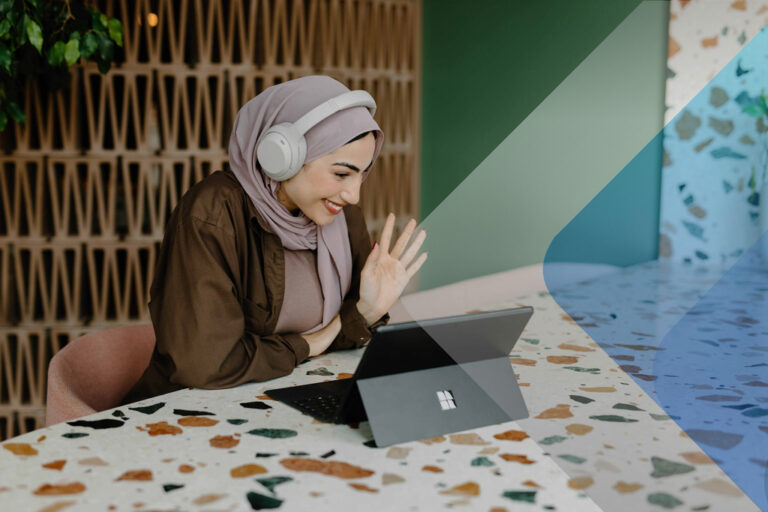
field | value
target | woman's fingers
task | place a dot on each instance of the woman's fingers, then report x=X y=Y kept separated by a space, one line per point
x=416 y=265
x=414 y=248
x=397 y=256
x=386 y=233
x=397 y=250
x=373 y=256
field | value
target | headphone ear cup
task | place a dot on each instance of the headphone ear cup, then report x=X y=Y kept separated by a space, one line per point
x=281 y=152
x=301 y=155
x=274 y=154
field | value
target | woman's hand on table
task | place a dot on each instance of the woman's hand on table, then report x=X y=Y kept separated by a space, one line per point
x=386 y=273
x=320 y=340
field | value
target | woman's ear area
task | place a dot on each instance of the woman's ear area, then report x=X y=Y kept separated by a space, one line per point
x=305 y=168
x=301 y=170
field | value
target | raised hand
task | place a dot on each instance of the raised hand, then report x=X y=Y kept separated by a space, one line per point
x=386 y=273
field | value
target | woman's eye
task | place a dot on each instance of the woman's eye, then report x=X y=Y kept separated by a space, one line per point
x=342 y=174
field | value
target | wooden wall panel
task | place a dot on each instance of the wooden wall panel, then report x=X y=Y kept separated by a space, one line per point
x=87 y=184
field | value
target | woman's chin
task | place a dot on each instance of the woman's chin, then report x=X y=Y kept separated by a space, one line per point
x=321 y=219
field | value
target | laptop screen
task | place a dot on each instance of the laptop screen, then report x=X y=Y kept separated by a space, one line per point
x=412 y=346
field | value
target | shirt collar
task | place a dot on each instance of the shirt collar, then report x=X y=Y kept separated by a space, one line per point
x=257 y=218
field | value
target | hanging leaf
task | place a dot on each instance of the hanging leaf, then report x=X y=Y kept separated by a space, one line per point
x=56 y=53
x=5 y=29
x=96 y=21
x=115 y=31
x=89 y=43
x=35 y=35
x=72 y=51
x=5 y=58
x=106 y=47
x=16 y=113
x=3 y=120
x=21 y=35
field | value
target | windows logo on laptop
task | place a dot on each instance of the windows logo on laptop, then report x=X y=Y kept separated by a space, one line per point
x=446 y=400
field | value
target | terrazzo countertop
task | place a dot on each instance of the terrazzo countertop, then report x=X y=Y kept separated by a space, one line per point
x=694 y=340
x=595 y=440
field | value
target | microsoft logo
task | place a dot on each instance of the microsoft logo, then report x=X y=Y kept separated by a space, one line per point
x=446 y=400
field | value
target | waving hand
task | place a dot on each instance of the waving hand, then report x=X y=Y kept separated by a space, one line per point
x=386 y=273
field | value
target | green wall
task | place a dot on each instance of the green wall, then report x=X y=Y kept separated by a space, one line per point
x=529 y=110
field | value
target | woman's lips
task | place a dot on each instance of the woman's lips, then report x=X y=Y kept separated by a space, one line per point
x=332 y=209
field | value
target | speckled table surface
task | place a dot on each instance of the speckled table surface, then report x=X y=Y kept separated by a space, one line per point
x=693 y=339
x=595 y=440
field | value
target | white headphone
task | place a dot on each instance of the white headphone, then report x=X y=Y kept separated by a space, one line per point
x=282 y=149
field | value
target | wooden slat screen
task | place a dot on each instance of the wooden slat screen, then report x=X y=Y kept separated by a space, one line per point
x=87 y=184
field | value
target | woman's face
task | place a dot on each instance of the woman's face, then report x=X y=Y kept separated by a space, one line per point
x=322 y=187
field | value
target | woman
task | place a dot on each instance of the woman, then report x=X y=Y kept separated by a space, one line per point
x=256 y=273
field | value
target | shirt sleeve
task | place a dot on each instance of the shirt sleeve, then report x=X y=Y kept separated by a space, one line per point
x=204 y=338
x=354 y=331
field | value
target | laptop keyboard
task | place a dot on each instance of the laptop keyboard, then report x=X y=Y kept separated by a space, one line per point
x=322 y=407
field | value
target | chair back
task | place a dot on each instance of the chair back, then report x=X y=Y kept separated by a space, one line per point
x=94 y=372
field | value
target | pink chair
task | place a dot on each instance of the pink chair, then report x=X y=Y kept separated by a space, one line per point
x=94 y=372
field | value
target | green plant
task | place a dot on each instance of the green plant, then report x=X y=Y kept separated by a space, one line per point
x=41 y=39
x=758 y=108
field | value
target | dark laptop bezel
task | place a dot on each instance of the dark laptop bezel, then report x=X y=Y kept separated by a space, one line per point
x=350 y=409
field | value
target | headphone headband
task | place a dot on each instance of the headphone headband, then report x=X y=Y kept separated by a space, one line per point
x=328 y=108
x=283 y=149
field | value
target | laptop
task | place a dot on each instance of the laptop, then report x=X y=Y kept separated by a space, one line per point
x=422 y=379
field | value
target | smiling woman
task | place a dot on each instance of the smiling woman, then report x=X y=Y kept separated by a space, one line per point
x=330 y=182
x=271 y=262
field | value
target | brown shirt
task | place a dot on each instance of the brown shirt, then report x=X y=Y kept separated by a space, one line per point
x=218 y=291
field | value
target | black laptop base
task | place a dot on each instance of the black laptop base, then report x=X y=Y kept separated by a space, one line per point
x=335 y=401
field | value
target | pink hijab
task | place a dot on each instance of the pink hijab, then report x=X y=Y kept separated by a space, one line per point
x=287 y=102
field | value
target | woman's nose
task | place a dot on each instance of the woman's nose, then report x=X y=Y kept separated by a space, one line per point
x=351 y=192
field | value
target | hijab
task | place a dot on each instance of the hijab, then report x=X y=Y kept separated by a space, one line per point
x=287 y=102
